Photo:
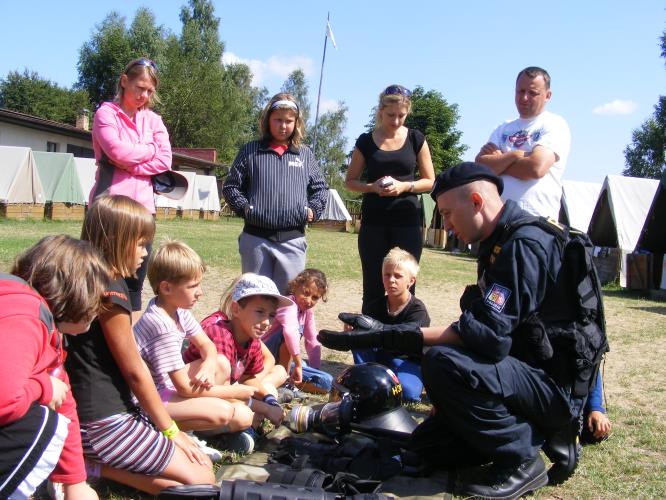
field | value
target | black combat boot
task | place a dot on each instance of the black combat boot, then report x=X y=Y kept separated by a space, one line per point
x=563 y=449
x=504 y=483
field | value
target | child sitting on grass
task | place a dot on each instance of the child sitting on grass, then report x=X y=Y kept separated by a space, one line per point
x=55 y=287
x=295 y=322
x=194 y=394
x=246 y=314
x=399 y=270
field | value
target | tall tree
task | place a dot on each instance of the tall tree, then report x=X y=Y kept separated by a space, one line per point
x=296 y=85
x=646 y=155
x=205 y=104
x=331 y=145
x=437 y=119
x=29 y=93
x=103 y=58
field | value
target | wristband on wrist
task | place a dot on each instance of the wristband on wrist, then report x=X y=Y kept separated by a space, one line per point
x=411 y=187
x=271 y=400
x=171 y=431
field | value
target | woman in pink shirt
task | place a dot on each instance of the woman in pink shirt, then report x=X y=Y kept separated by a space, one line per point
x=131 y=145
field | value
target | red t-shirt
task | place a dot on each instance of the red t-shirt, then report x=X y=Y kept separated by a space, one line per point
x=244 y=359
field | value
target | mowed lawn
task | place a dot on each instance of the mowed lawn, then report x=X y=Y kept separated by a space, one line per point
x=631 y=464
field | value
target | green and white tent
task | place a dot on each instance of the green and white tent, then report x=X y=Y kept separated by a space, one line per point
x=59 y=177
x=86 y=168
x=19 y=180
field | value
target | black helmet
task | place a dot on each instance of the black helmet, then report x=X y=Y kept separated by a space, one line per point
x=378 y=396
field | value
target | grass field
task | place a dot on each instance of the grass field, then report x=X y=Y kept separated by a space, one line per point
x=631 y=464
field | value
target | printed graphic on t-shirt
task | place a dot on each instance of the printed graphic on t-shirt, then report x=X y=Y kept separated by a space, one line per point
x=497 y=296
x=521 y=138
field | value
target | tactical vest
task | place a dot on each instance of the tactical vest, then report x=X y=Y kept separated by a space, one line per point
x=566 y=336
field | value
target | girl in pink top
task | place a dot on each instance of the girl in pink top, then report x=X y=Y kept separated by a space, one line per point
x=296 y=321
x=131 y=144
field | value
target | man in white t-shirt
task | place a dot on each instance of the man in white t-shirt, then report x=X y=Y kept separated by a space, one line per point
x=530 y=152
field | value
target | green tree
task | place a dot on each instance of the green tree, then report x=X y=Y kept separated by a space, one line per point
x=29 y=93
x=331 y=145
x=296 y=85
x=646 y=155
x=437 y=119
x=103 y=58
x=205 y=104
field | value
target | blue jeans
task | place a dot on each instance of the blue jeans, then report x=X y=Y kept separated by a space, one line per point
x=408 y=371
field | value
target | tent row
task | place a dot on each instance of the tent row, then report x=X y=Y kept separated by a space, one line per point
x=621 y=216
x=35 y=184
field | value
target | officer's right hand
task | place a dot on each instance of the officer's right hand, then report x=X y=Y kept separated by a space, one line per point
x=352 y=339
x=360 y=321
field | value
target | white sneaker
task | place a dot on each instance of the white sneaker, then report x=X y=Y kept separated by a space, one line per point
x=213 y=454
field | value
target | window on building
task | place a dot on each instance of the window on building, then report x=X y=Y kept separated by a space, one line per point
x=80 y=151
x=51 y=147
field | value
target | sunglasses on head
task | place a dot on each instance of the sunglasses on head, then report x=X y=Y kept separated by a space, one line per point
x=141 y=62
x=397 y=90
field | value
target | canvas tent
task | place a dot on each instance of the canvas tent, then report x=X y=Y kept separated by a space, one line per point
x=21 y=190
x=335 y=208
x=59 y=177
x=620 y=213
x=578 y=202
x=653 y=235
x=86 y=169
x=205 y=196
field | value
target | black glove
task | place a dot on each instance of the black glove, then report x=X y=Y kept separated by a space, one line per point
x=360 y=321
x=405 y=338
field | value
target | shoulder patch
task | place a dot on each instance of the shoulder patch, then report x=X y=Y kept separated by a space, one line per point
x=496 y=297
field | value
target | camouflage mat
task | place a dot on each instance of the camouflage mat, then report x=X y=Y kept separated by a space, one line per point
x=252 y=468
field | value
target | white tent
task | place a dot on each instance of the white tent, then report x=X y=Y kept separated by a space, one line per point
x=335 y=208
x=86 y=168
x=186 y=202
x=620 y=214
x=578 y=202
x=205 y=193
x=19 y=179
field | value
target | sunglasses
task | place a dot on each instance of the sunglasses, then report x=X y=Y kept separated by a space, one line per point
x=141 y=62
x=397 y=90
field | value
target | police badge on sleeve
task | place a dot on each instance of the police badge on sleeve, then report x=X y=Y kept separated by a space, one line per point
x=497 y=296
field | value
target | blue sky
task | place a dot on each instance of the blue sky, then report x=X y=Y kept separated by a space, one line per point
x=603 y=57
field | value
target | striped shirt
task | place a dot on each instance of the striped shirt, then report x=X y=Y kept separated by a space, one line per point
x=272 y=191
x=160 y=341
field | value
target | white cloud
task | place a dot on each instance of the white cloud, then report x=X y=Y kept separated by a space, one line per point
x=616 y=107
x=275 y=67
x=326 y=105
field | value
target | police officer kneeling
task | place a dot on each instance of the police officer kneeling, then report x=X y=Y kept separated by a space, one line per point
x=496 y=405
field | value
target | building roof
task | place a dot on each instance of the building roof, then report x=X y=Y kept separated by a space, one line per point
x=35 y=122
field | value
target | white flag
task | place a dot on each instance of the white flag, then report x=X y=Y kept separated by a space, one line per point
x=329 y=33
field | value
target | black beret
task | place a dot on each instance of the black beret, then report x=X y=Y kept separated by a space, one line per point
x=462 y=174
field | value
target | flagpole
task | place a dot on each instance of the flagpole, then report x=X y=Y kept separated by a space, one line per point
x=321 y=77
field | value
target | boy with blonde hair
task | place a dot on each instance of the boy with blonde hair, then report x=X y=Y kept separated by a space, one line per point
x=399 y=270
x=197 y=394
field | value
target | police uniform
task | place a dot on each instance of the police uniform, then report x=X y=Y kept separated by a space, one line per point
x=491 y=405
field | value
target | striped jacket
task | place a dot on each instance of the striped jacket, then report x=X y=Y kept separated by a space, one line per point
x=274 y=192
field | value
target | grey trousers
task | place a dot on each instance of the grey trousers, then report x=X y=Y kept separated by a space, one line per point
x=280 y=262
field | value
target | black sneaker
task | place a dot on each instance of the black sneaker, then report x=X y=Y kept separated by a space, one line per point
x=494 y=482
x=239 y=442
x=563 y=449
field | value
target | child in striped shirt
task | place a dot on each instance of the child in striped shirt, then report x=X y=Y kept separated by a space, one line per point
x=275 y=184
x=197 y=395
